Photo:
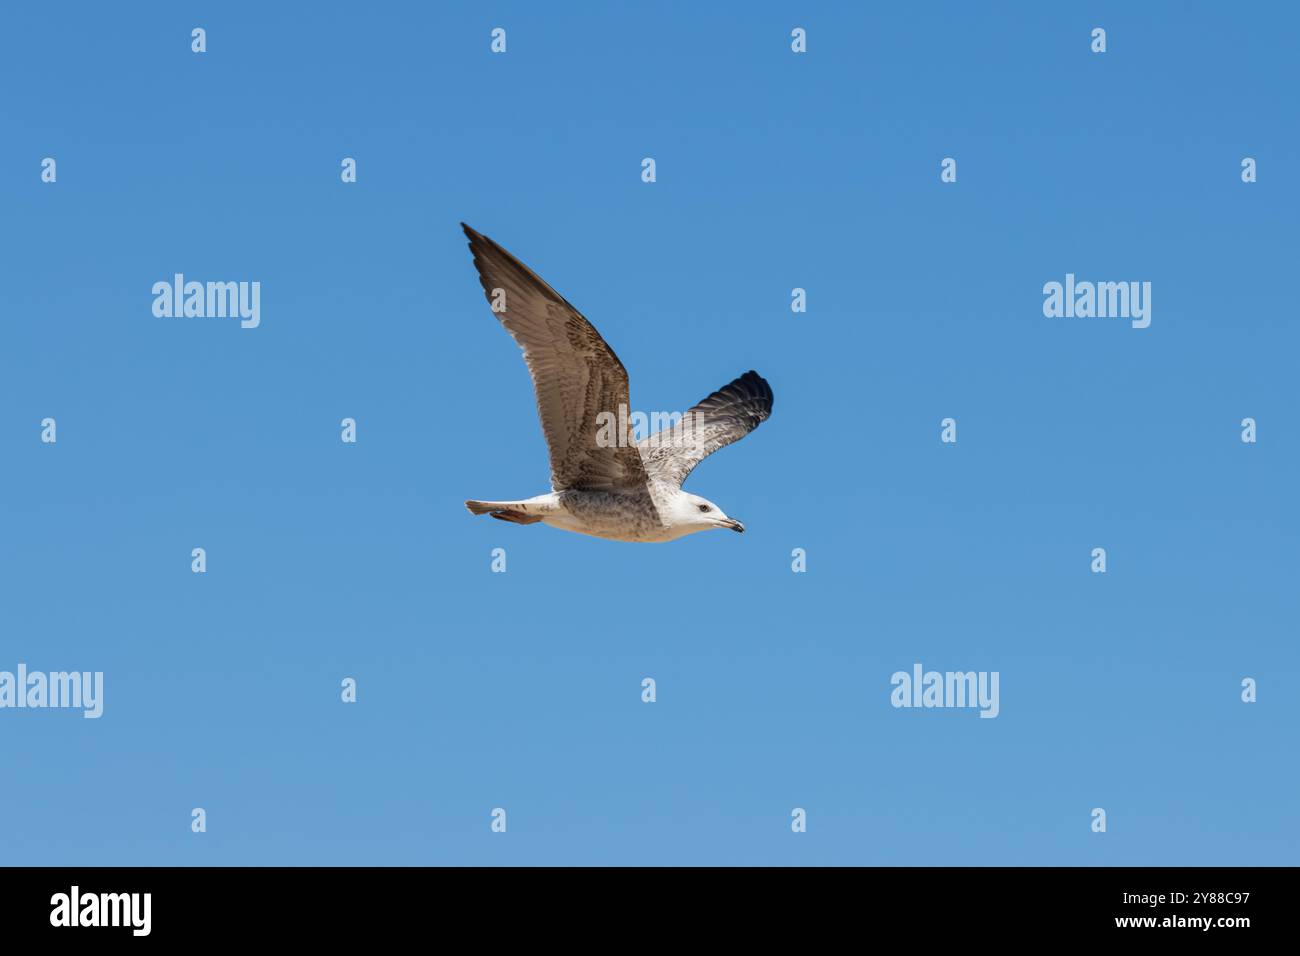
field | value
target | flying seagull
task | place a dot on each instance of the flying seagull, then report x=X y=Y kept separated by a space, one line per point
x=603 y=482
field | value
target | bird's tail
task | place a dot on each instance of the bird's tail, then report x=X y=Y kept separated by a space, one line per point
x=516 y=511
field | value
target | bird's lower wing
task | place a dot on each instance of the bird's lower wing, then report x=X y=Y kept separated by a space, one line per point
x=726 y=416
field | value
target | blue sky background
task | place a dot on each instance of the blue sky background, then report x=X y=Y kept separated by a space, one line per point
x=480 y=690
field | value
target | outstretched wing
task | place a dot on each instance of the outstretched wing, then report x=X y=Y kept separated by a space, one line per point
x=726 y=416
x=575 y=374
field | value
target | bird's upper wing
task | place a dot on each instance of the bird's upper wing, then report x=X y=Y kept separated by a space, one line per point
x=575 y=374
x=728 y=415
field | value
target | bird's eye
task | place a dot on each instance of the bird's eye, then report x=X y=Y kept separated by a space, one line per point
x=704 y=507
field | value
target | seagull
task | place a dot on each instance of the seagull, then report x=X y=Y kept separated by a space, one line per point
x=604 y=483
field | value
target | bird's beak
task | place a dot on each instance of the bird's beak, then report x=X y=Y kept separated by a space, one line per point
x=734 y=525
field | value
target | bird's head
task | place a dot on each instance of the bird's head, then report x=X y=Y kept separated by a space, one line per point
x=701 y=514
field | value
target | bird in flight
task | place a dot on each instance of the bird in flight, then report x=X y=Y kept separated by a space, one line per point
x=603 y=482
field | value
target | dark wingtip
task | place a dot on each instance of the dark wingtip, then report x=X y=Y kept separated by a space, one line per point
x=757 y=381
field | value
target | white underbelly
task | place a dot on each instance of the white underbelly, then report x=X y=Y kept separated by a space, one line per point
x=611 y=531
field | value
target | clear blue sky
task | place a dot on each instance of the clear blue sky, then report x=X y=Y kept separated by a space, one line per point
x=775 y=170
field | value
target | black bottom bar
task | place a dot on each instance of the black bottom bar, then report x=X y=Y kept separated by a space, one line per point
x=193 y=905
